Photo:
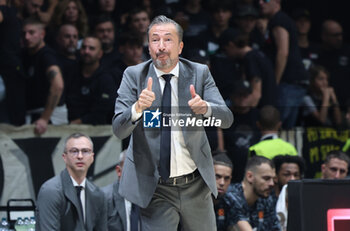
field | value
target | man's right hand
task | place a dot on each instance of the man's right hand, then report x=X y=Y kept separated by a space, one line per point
x=146 y=97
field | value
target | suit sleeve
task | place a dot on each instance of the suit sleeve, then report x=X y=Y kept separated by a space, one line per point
x=48 y=209
x=212 y=95
x=102 y=215
x=127 y=96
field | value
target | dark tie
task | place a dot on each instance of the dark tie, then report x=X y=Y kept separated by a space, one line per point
x=134 y=217
x=79 y=188
x=164 y=162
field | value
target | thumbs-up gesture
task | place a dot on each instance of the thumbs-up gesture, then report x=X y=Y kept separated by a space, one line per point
x=197 y=105
x=146 y=97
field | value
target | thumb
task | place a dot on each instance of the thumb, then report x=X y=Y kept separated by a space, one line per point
x=193 y=91
x=149 y=83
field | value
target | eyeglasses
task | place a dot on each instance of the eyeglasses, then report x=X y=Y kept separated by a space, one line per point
x=75 y=152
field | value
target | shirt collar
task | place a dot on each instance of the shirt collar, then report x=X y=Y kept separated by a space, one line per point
x=76 y=184
x=269 y=136
x=174 y=71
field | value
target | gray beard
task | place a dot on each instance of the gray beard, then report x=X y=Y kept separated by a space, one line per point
x=160 y=65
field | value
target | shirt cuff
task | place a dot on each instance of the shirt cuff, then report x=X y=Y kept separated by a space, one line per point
x=209 y=111
x=134 y=115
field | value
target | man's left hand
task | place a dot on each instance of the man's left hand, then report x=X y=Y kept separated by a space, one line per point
x=40 y=126
x=197 y=105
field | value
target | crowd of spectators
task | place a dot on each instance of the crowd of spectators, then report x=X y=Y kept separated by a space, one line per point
x=254 y=42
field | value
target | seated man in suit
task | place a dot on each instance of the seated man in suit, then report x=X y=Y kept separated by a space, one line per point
x=69 y=201
x=168 y=169
x=119 y=209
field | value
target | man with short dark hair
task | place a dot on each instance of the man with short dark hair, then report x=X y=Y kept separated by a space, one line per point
x=67 y=41
x=90 y=98
x=138 y=21
x=104 y=29
x=251 y=204
x=270 y=145
x=69 y=201
x=130 y=50
x=335 y=166
x=253 y=64
x=66 y=47
x=220 y=16
x=287 y=168
x=44 y=79
x=223 y=174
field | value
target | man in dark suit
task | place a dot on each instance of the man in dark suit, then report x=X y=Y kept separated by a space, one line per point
x=69 y=201
x=168 y=169
x=116 y=210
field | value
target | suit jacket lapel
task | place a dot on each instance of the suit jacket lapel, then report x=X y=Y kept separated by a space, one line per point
x=70 y=193
x=155 y=87
x=184 y=94
x=89 y=211
x=184 y=82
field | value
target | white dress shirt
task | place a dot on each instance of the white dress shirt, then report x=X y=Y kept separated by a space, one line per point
x=128 y=211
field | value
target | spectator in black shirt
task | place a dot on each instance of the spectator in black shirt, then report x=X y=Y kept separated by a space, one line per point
x=291 y=76
x=67 y=42
x=244 y=132
x=130 y=49
x=254 y=65
x=308 y=49
x=44 y=83
x=221 y=14
x=245 y=19
x=105 y=30
x=335 y=56
x=13 y=106
x=90 y=99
